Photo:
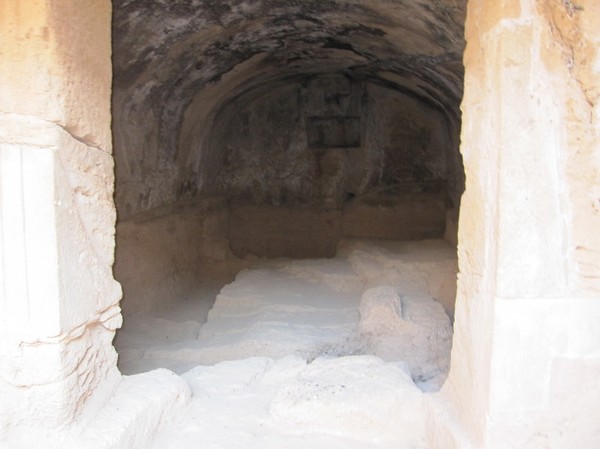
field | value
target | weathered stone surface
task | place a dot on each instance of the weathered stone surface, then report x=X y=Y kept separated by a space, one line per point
x=56 y=65
x=527 y=310
x=527 y=255
x=168 y=257
x=268 y=231
x=395 y=217
x=184 y=68
x=60 y=300
x=380 y=310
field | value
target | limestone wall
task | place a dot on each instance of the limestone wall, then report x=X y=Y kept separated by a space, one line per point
x=172 y=255
x=524 y=347
x=525 y=361
x=321 y=139
x=59 y=301
x=175 y=253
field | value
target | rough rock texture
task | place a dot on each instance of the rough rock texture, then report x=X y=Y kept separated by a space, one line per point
x=59 y=300
x=205 y=92
x=163 y=257
x=528 y=242
x=525 y=365
x=323 y=139
x=341 y=403
x=307 y=122
x=312 y=308
x=380 y=311
x=359 y=396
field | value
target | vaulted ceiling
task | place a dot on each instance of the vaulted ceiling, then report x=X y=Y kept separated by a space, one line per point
x=177 y=62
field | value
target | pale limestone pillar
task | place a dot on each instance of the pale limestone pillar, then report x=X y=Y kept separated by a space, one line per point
x=526 y=359
x=58 y=299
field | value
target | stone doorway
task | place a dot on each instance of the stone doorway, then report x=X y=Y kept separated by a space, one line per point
x=528 y=284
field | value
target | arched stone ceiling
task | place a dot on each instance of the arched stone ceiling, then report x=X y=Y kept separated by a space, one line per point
x=176 y=62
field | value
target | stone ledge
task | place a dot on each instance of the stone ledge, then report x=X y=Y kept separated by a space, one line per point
x=141 y=405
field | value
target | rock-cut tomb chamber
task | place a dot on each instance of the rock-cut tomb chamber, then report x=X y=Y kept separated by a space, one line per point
x=370 y=146
x=270 y=130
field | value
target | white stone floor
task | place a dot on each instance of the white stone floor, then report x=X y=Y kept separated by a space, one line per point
x=284 y=358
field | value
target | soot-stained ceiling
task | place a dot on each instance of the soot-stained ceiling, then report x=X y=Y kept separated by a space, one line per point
x=177 y=63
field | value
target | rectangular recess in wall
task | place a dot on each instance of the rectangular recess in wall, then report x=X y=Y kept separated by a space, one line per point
x=328 y=132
